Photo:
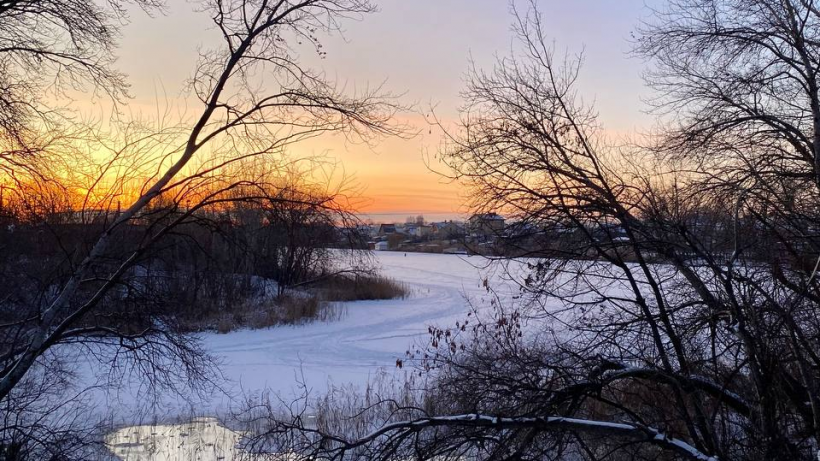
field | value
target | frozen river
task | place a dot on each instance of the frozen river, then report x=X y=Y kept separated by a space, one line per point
x=370 y=336
x=366 y=341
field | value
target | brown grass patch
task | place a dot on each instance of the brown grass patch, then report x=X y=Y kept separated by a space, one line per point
x=320 y=302
x=361 y=288
x=296 y=309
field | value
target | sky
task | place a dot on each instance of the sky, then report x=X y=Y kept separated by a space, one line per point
x=420 y=48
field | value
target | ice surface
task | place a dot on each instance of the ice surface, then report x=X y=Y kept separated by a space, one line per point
x=369 y=337
x=365 y=342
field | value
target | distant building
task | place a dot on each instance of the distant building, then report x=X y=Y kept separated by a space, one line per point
x=423 y=231
x=486 y=224
x=448 y=230
x=381 y=246
x=387 y=229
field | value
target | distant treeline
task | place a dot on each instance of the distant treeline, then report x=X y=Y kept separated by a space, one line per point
x=213 y=261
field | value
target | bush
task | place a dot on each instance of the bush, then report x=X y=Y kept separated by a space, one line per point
x=213 y=301
x=362 y=287
x=296 y=309
x=319 y=303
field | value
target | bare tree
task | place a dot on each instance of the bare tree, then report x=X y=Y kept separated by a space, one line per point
x=256 y=101
x=676 y=317
x=299 y=231
x=49 y=49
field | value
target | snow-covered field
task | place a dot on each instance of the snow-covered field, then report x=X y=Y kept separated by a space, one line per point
x=371 y=334
x=366 y=341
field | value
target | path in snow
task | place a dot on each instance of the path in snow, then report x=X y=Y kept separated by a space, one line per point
x=371 y=335
x=367 y=340
x=364 y=343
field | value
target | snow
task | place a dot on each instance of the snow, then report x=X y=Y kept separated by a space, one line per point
x=363 y=344
x=369 y=337
x=604 y=427
x=203 y=439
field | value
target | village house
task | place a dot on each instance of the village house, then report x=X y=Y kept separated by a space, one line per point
x=386 y=229
x=485 y=225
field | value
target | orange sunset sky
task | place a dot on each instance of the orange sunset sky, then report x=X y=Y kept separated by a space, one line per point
x=419 y=48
